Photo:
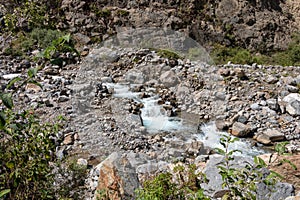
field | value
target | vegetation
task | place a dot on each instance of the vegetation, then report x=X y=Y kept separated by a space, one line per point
x=164 y=186
x=167 y=53
x=289 y=57
x=26 y=15
x=240 y=181
x=26 y=150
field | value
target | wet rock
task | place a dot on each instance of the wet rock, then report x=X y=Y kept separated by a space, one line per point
x=222 y=125
x=292 y=104
x=240 y=130
x=117 y=177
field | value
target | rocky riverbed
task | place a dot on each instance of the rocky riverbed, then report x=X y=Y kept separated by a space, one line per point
x=104 y=97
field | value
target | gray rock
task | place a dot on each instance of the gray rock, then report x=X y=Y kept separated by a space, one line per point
x=169 y=79
x=82 y=162
x=255 y=106
x=293 y=104
x=269 y=136
x=135 y=77
x=117 y=177
x=81 y=38
x=273 y=104
x=10 y=76
x=292 y=89
x=240 y=130
x=222 y=125
x=280 y=192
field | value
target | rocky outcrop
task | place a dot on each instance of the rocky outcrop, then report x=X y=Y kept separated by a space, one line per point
x=261 y=25
x=117 y=178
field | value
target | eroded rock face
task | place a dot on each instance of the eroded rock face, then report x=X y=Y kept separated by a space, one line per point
x=262 y=25
x=117 y=178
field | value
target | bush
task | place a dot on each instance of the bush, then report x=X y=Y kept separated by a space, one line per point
x=26 y=150
x=184 y=185
x=28 y=14
x=36 y=39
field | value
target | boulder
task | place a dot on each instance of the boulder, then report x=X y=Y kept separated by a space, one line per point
x=240 y=130
x=292 y=104
x=169 y=79
x=117 y=178
x=269 y=136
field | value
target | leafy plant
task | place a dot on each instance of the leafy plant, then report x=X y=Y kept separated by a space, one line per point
x=242 y=182
x=26 y=150
x=166 y=53
x=163 y=187
x=72 y=178
x=28 y=14
x=60 y=45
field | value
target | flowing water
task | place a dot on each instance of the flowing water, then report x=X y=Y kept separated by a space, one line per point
x=155 y=119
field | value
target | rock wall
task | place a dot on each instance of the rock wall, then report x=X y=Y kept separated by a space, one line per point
x=253 y=24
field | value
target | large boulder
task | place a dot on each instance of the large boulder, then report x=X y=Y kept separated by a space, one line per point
x=293 y=104
x=117 y=178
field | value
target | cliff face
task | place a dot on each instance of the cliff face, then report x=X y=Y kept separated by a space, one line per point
x=254 y=24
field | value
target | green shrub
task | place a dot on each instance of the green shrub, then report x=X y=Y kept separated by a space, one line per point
x=26 y=148
x=28 y=14
x=163 y=186
x=242 y=182
x=166 y=53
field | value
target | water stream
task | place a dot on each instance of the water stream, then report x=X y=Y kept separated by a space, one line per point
x=156 y=120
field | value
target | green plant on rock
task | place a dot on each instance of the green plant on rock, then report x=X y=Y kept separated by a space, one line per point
x=242 y=182
x=61 y=45
x=166 y=53
x=72 y=176
x=26 y=150
x=163 y=186
x=28 y=14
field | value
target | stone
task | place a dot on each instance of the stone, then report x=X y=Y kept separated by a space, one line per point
x=63 y=98
x=271 y=79
x=10 y=76
x=135 y=77
x=255 y=106
x=169 y=79
x=33 y=87
x=224 y=72
x=293 y=104
x=262 y=138
x=274 y=135
x=292 y=89
x=194 y=148
x=222 y=125
x=273 y=104
x=293 y=198
x=82 y=162
x=279 y=191
x=68 y=140
x=240 y=130
x=117 y=177
x=240 y=73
